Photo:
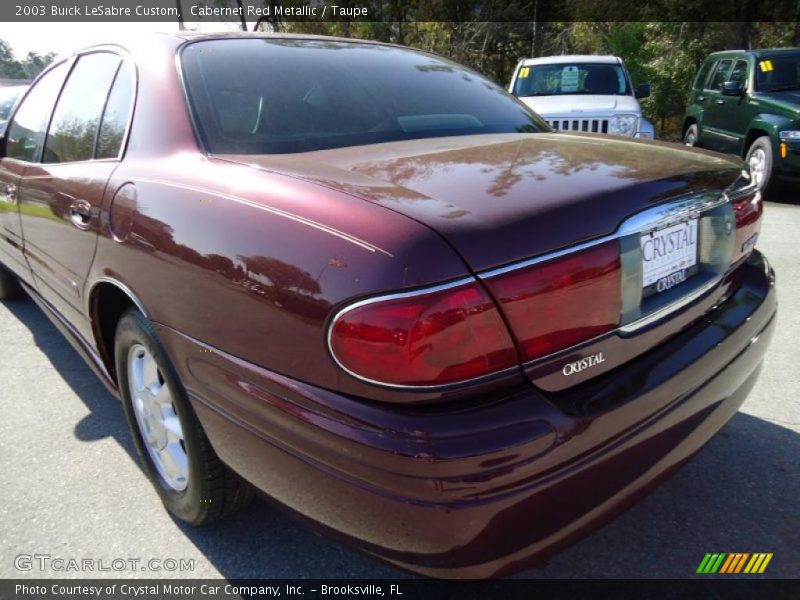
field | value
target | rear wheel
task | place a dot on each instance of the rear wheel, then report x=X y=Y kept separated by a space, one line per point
x=691 y=136
x=759 y=159
x=9 y=285
x=191 y=480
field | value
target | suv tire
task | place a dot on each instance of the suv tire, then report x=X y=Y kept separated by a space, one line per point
x=691 y=136
x=759 y=159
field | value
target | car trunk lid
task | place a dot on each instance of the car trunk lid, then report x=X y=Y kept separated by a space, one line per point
x=503 y=198
x=554 y=225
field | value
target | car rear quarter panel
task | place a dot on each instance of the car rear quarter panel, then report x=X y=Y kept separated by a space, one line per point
x=254 y=263
x=250 y=262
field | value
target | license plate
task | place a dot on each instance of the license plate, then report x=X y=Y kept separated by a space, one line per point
x=669 y=256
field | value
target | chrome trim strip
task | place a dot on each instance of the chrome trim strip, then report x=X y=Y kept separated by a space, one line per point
x=642 y=222
x=671 y=213
x=662 y=312
x=419 y=292
x=650 y=219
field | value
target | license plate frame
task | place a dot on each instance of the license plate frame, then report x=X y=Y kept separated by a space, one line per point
x=670 y=256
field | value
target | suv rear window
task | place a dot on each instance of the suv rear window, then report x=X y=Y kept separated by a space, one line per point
x=778 y=73
x=268 y=96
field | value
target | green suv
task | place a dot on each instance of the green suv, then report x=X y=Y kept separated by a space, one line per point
x=747 y=102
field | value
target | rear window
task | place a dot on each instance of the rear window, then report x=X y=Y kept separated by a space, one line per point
x=269 y=96
x=778 y=73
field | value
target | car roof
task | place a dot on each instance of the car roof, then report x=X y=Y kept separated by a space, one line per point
x=169 y=42
x=572 y=58
x=194 y=36
x=756 y=53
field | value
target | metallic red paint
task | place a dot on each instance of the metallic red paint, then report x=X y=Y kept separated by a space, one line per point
x=241 y=261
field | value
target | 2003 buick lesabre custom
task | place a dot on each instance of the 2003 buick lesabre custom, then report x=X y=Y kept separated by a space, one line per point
x=373 y=285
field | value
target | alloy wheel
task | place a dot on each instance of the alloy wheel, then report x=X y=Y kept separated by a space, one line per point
x=159 y=424
x=758 y=166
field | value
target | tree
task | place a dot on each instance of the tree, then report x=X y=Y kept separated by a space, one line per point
x=33 y=64
x=10 y=67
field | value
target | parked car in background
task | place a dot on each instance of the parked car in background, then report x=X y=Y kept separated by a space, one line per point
x=747 y=102
x=583 y=93
x=382 y=292
x=8 y=97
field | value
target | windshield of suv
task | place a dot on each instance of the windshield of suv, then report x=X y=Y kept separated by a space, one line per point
x=778 y=72
x=571 y=78
x=272 y=96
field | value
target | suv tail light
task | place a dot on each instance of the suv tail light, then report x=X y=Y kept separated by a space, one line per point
x=554 y=305
x=433 y=337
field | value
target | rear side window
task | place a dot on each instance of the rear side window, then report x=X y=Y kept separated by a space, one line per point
x=76 y=120
x=778 y=72
x=115 y=116
x=720 y=74
x=702 y=75
x=26 y=132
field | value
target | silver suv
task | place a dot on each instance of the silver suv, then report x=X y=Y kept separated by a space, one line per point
x=583 y=93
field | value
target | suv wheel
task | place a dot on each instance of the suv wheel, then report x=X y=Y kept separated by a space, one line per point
x=690 y=137
x=191 y=480
x=759 y=159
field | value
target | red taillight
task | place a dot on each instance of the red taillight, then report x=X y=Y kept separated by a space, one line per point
x=430 y=338
x=747 y=211
x=557 y=304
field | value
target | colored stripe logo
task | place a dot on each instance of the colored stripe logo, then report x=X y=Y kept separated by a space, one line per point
x=735 y=562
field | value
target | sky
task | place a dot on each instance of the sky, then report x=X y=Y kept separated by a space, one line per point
x=63 y=38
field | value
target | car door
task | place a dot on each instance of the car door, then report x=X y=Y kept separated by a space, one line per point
x=22 y=143
x=712 y=133
x=736 y=112
x=60 y=196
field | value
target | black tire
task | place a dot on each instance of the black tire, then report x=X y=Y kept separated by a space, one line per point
x=10 y=288
x=763 y=145
x=691 y=136
x=212 y=490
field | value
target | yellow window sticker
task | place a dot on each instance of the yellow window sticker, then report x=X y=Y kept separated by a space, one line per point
x=766 y=66
x=524 y=72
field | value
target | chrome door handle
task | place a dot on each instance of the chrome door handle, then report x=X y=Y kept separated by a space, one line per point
x=8 y=192
x=701 y=98
x=720 y=101
x=80 y=213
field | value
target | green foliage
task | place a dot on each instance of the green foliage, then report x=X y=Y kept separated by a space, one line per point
x=28 y=68
x=664 y=54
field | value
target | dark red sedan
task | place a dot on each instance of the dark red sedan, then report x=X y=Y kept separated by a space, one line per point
x=371 y=284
